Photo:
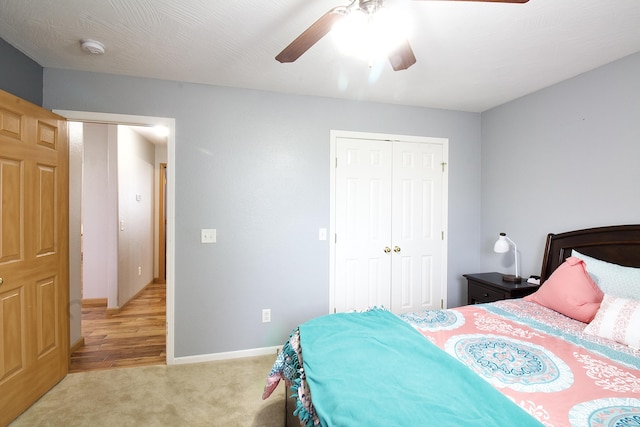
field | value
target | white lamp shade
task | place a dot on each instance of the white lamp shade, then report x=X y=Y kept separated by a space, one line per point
x=502 y=245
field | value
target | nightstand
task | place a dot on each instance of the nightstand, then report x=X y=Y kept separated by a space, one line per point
x=489 y=287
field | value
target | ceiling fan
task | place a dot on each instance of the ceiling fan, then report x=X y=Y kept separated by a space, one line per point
x=401 y=57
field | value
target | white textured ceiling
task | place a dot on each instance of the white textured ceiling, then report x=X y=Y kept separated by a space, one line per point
x=470 y=56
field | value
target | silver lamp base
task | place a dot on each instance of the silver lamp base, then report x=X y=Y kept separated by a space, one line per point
x=512 y=278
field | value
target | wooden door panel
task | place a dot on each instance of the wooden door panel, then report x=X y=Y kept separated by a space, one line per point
x=44 y=210
x=12 y=359
x=34 y=294
x=46 y=315
x=10 y=210
x=11 y=123
x=47 y=135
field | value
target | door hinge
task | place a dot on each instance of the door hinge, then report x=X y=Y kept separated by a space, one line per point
x=441 y=304
x=443 y=164
x=442 y=235
x=336 y=163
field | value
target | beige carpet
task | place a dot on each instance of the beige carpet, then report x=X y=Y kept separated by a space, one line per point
x=222 y=393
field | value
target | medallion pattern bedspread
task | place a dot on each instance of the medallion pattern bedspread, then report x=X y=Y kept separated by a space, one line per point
x=542 y=360
x=373 y=369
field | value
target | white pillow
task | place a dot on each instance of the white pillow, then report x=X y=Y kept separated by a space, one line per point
x=618 y=319
x=612 y=279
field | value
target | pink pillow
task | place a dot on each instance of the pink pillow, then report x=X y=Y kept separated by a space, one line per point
x=570 y=291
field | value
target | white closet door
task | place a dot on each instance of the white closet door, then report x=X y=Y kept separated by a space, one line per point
x=417 y=199
x=362 y=224
x=389 y=216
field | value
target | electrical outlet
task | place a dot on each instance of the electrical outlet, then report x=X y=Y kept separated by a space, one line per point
x=266 y=315
x=139 y=271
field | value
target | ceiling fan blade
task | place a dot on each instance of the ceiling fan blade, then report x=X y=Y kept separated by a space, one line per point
x=494 y=1
x=402 y=57
x=311 y=35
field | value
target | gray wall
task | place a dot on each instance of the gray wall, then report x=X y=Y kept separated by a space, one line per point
x=564 y=158
x=255 y=166
x=19 y=74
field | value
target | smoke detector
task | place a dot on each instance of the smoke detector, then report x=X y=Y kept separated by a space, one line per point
x=92 y=46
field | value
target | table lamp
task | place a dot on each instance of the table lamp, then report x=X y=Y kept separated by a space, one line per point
x=502 y=246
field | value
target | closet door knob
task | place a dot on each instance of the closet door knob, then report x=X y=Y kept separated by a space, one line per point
x=387 y=249
x=396 y=249
x=1 y=281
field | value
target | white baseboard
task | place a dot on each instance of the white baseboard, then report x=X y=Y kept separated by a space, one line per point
x=225 y=356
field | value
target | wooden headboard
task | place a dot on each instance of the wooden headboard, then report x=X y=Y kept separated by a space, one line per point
x=619 y=244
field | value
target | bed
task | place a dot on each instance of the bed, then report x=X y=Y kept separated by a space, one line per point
x=567 y=355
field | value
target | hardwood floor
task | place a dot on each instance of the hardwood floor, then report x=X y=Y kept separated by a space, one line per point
x=135 y=336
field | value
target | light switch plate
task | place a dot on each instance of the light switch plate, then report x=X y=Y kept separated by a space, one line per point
x=322 y=234
x=208 y=235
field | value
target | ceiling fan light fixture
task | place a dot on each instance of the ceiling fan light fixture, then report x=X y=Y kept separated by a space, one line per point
x=348 y=32
x=370 y=34
x=389 y=27
x=400 y=55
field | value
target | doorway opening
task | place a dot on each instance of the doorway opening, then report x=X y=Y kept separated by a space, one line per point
x=163 y=190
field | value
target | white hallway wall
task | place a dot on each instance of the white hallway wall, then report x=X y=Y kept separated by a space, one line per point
x=118 y=170
x=136 y=201
x=98 y=214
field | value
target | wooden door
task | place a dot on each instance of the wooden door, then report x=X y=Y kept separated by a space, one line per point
x=34 y=294
x=389 y=220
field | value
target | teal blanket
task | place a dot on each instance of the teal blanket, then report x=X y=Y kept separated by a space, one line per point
x=373 y=369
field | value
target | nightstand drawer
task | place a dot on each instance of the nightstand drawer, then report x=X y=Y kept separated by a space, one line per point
x=480 y=294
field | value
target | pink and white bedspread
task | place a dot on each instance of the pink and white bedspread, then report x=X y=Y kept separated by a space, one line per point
x=542 y=360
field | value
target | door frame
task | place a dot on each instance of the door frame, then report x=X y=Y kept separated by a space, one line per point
x=134 y=120
x=333 y=139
